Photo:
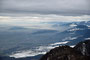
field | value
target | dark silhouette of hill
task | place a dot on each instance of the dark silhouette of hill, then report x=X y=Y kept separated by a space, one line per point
x=27 y=58
x=68 y=53
x=82 y=26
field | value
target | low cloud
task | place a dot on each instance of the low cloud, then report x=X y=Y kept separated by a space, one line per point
x=43 y=18
x=39 y=21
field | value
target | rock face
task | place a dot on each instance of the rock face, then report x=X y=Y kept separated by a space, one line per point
x=80 y=52
x=83 y=47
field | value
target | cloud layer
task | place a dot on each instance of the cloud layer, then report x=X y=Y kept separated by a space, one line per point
x=43 y=18
x=61 y=7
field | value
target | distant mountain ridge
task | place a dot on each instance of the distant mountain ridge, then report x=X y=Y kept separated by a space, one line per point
x=74 y=33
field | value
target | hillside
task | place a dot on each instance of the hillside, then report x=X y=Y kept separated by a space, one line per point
x=68 y=53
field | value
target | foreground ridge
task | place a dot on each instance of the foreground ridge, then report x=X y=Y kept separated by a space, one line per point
x=80 y=52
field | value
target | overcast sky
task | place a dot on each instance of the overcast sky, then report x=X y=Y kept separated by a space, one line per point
x=44 y=7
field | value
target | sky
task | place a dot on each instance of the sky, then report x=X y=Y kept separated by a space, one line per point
x=45 y=10
x=60 y=7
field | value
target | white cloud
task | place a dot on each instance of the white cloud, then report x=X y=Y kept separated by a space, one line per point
x=36 y=21
x=44 y=18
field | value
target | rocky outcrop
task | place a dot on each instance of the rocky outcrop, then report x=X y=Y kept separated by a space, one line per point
x=80 y=52
x=83 y=47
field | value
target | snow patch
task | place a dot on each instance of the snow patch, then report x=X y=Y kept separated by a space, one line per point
x=70 y=38
x=88 y=26
x=72 y=46
x=87 y=38
x=28 y=53
x=60 y=43
x=73 y=25
x=36 y=51
x=75 y=29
